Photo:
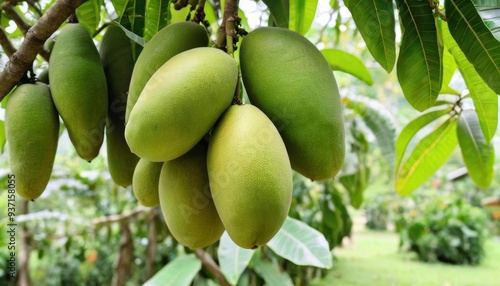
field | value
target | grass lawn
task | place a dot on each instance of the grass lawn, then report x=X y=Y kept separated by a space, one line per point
x=373 y=259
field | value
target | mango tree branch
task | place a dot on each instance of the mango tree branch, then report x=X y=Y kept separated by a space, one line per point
x=36 y=36
x=229 y=15
x=211 y=266
x=6 y=44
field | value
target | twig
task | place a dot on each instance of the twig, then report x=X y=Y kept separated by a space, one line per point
x=33 y=43
x=211 y=266
x=199 y=15
x=230 y=14
x=6 y=44
x=120 y=217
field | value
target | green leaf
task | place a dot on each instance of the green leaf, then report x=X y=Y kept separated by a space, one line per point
x=377 y=118
x=133 y=19
x=356 y=184
x=279 y=12
x=474 y=38
x=301 y=244
x=375 y=22
x=2 y=137
x=178 y=272
x=411 y=129
x=271 y=273
x=302 y=14
x=478 y=154
x=485 y=99
x=427 y=157
x=449 y=69
x=232 y=259
x=132 y=36
x=489 y=10
x=120 y=6
x=179 y=15
x=156 y=17
x=348 y=63
x=419 y=65
x=89 y=14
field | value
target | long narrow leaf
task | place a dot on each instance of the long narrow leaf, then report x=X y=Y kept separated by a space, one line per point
x=301 y=244
x=474 y=38
x=178 y=272
x=89 y=14
x=302 y=14
x=478 y=154
x=427 y=157
x=489 y=10
x=449 y=69
x=375 y=22
x=279 y=12
x=485 y=99
x=156 y=17
x=271 y=273
x=419 y=65
x=348 y=63
x=377 y=118
x=232 y=259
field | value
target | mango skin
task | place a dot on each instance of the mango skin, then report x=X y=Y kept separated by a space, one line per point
x=79 y=90
x=250 y=176
x=186 y=202
x=292 y=83
x=145 y=182
x=168 y=42
x=118 y=63
x=32 y=131
x=181 y=103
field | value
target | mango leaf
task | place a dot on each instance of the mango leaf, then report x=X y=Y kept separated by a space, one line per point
x=485 y=99
x=271 y=273
x=474 y=38
x=478 y=154
x=178 y=272
x=348 y=63
x=89 y=14
x=157 y=13
x=489 y=10
x=449 y=69
x=132 y=36
x=120 y=6
x=356 y=184
x=179 y=15
x=375 y=22
x=377 y=118
x=302 y=14
x=2 y=137
x=132 y=18
x=419 y=65
x=232 y=259
x=427 y=157
x=279 y=12
x=301 y=244
x=411 y=129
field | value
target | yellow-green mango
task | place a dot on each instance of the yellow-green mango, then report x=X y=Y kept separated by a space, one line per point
x=145 y=182
x=186 y=202
x=168 y=42
x=79 y=90
x=180 y=103
x=250 y=175
x=31 y=129
x=118 y=63
x=292 y=83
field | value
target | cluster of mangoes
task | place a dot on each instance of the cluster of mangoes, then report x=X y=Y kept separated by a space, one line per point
x=174 y=132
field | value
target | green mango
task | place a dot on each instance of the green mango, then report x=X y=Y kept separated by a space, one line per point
x=168 y=42
x=185 y=200
x=79 y=90
x=118 y=63
x=31 y=129
x=180 y=103
x=44 y=76
x=250 y=175
x=145 y=182
x=292 y=83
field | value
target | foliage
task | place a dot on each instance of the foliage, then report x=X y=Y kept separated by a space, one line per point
x=446 y=229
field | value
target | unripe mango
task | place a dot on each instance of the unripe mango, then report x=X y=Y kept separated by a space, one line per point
x=79 y=90
x=292 y=83
x=118 y=63
x=168 y=42
x=180 y=103
x=145 y=182
x=186 y=202
x=31 y=129
x=44 y=76
x=250 y=175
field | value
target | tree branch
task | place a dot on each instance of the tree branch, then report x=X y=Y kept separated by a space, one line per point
x=120 y=217
x=230 y=14
x=33 y=43
x=6 y=44
x=211 y=266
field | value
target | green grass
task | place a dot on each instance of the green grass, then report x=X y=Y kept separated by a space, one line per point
x=373 y=259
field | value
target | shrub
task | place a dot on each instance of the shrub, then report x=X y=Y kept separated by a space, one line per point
x=446 y=229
